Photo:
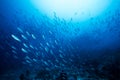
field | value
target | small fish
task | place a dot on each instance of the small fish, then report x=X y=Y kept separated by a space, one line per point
x=41 y=44
x=47 y=44
x=27 y=57
x=51 y=52
x=64 y=61
x=19 y=29
x=33 y=36
x=25 y=45
x=53 y=46
x=28 y=61
x=43 y=37
x=31 y=47
x=60 y=55
x=57 y=60
x=56 y=42
x=60 y=51
x=50 y=32
x=13 y=47
x=23 y=50
x=16 y=38
x=23 y=37
x=14 y=51
x=36 y=48
x=56 y=66
x=27 y=33
x=23 y=62
x=15 y=57
x=46 y=49
x=46 y=63
x=41 y=48
x=43 y=55
x=34 y=60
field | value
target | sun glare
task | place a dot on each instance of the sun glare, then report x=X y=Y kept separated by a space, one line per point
x=78 y=10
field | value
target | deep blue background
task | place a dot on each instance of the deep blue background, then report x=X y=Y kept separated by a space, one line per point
x=97 y=39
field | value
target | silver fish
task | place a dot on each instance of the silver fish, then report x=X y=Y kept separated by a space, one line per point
x=16 y=38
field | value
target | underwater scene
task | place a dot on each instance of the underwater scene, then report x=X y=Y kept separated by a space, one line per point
x=59 y=39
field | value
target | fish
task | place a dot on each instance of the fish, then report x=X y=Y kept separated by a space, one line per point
x=50 y=32
x=56 y=42
x=48 y=44
x=46 y=63
x=33 y=36
x=52 y=46
x=31 y=46
x=25 y=45
x=57 y=60
x=19 y=29
x=37 y=53
x=43 y=55
x=46 y=49
x=24 y=37
x=14 y=51
x=27 y=57
x=51 y=52
x=34 y=60
x=28 y=61
x=13 y=47
x=16 y=57
x=61 y=55
x=24 y=62
x=41 y=44
x=56 y=66
x=43 y=37
x=15 y=38
x=60 y=51
x=23 y=50
x=27 y=33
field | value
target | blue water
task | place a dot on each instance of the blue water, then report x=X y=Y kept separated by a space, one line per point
x=31 y=40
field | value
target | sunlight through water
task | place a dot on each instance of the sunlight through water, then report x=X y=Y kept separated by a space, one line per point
x=77 y=10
